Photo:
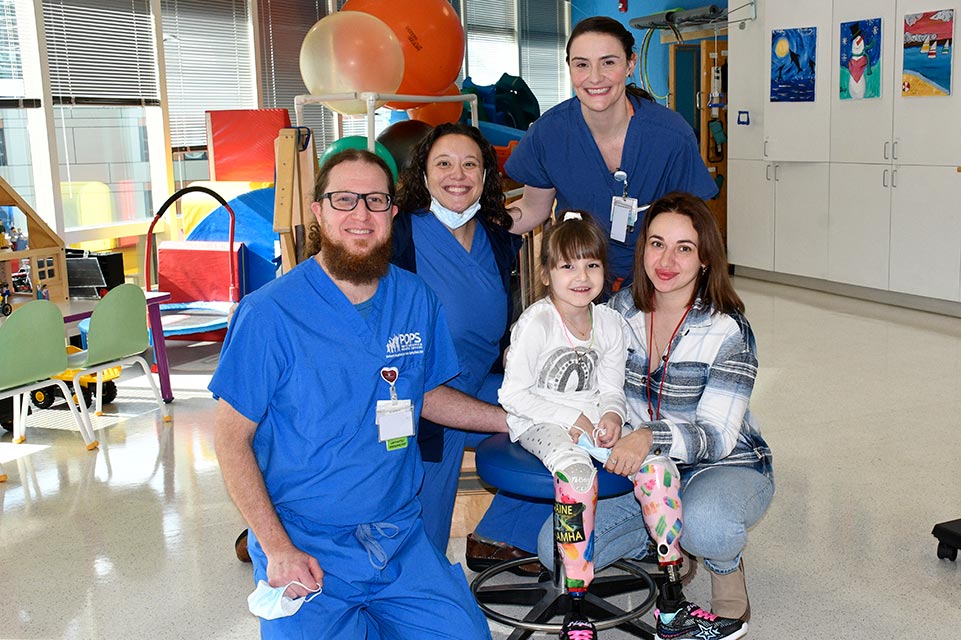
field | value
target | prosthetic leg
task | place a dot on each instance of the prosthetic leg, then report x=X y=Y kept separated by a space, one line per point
x=575 y=502
x=657 y=487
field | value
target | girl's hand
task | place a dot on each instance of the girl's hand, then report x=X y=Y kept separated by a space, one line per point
x=609 y=430
x=581 y=425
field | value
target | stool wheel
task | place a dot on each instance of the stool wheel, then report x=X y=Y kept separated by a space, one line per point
x=549 y=600
x=947 y=552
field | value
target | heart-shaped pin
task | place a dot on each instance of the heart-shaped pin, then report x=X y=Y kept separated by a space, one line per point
x=389 y=374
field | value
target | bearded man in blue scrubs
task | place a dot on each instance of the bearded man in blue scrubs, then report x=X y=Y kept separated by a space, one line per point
x=323 y=376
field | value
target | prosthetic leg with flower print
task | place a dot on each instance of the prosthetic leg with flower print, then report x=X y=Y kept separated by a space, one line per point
x=657 y=488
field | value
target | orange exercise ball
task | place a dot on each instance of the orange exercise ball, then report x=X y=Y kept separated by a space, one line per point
x=348 y=52
x=435 y=113
x=432 y=39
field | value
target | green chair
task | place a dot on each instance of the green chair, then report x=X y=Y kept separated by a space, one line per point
x=117 y=337
x=32 y=344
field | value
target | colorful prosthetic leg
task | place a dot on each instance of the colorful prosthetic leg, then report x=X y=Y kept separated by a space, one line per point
x=575 y=502
x=657 y=486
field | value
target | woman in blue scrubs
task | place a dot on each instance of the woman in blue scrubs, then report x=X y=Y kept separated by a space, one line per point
x=452 y=230
x=610 y=141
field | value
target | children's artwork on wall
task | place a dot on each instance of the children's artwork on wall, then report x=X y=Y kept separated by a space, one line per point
x=860 y=59
x=928 y=38
x=793 y=58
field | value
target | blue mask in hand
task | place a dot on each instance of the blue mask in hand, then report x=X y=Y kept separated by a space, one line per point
x=270 y=603
x=598 y=453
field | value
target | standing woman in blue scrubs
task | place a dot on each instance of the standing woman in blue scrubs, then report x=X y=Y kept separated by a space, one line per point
x=452 y=231
x=609 y=146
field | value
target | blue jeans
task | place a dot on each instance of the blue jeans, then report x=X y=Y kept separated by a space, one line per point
x=720 y=505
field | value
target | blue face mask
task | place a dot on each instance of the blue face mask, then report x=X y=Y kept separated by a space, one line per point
x=598 y=453
x=270 y=603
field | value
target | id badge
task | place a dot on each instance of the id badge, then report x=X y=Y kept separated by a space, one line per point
x=395 y=419
x=623 y=217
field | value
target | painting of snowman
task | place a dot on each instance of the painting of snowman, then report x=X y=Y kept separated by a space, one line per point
x=860 y=59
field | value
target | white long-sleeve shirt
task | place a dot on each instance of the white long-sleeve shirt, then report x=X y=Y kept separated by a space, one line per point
x=552 y=377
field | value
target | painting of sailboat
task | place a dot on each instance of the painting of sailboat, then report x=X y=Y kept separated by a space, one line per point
x=927 y=53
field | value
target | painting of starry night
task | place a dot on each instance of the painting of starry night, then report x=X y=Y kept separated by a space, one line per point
x=793 y=60
x=860 y=59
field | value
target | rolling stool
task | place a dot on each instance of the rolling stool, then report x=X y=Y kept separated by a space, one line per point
x=510 y=468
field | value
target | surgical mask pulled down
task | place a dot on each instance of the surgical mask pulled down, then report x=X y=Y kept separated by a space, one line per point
x=450 y=218
x=270 y=603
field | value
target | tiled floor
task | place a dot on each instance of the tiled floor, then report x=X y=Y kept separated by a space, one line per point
x=860 y=402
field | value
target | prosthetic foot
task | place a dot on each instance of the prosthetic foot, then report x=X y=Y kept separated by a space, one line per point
x=575 y=501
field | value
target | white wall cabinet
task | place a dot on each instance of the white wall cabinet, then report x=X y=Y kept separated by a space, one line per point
x=750 y=233
x=799 y=131
x=859 y=226
x=861 y=192
x=801 y=218
x=746 y=94
x=926 y=231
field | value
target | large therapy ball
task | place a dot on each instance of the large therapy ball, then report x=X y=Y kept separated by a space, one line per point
x=347 y=52
x=432 y=39
x=401 y=137
x=359 y=142
x=435 y=113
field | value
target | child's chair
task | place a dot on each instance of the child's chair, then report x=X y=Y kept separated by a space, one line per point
x=32 y=344
x=117 y=336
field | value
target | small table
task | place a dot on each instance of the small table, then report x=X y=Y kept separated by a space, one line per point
x=77 y=310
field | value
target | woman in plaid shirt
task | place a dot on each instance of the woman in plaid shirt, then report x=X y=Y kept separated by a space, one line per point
x=690 y=401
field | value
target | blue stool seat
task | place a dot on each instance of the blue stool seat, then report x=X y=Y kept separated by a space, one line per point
x=510 y=468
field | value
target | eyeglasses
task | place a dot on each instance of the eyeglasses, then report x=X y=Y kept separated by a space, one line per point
x=347 y=200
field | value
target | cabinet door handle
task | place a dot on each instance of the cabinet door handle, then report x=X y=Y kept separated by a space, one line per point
x=894 y=150
x=886 y=151
x=764 y=152
x=777 y=173
x=894 y=178
x=767 y=172
x=884 y=177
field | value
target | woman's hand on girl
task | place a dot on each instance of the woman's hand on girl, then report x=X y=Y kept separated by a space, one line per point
x=629 y=452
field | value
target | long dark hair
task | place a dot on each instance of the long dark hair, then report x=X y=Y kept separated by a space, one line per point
x=609 y=27
x=713 y=284
x=323 y=179
x=413 y=194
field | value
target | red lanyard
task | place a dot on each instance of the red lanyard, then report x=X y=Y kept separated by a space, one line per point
x=652 y=414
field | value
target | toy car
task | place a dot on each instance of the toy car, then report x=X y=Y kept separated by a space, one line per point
x=44 y=397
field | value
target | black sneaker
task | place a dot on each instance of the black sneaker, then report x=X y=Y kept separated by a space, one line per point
x=577 y=627
x=690 y=621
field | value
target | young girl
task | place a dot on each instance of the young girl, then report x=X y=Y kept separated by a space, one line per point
x=564 y=393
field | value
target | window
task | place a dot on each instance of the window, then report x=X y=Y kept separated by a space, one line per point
x=524 y=38
x=209 y=64
x=544 y=28
x=283 y=25
x=19 y=97
x=101 y=52
x=105 y=91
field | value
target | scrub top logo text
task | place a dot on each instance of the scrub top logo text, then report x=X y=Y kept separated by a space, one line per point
x=405 y=344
